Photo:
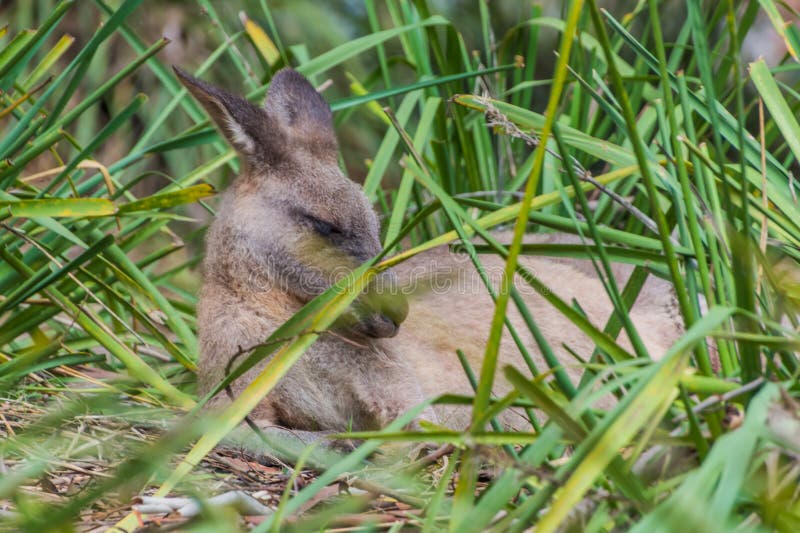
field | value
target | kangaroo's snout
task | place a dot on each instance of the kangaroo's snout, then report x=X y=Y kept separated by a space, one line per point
x=377 y=326
x=392 y=302
x=382 y=307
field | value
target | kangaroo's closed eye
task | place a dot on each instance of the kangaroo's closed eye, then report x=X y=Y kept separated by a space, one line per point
x=323 y=228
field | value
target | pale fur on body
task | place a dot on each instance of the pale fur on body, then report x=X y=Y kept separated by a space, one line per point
x=291 y=220
x=439 y=322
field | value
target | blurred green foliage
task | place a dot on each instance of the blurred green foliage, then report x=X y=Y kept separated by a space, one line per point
x=105 y=166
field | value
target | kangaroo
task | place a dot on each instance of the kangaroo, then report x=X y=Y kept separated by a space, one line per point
x=292 y=220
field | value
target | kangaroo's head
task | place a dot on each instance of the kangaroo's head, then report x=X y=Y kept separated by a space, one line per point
x=292 y=211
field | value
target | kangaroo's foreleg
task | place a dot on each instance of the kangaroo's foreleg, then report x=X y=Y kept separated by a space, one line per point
x=268 y=442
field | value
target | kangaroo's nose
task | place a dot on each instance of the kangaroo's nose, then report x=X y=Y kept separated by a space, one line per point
x=382 y=326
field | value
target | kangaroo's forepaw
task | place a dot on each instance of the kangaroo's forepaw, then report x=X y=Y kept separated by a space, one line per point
x=344 y=445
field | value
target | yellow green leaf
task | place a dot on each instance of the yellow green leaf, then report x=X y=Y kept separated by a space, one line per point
x=359 y=90
x=260 y=39
x=59 y=207
x=169 y=199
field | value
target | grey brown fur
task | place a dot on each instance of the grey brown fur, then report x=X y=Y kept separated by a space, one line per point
x=292 y=221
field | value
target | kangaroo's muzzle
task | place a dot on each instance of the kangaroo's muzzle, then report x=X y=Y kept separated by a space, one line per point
x=381 y=308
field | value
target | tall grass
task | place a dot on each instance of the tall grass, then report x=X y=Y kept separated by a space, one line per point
x=646 y=133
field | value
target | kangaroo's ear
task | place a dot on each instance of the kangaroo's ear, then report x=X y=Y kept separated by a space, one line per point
x=245 y=125
x=298 y=108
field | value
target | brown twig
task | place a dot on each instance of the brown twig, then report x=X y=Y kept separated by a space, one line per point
x=430 y=458
x=719 y=398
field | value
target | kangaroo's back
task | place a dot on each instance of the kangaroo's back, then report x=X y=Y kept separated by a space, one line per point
x=453 y=311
